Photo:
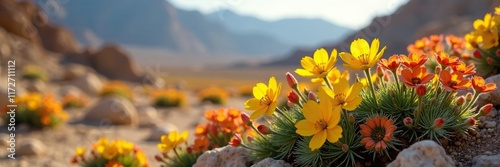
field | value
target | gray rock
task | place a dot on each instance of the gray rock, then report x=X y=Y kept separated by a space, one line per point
x=493 y=113
x=423 y=153
x=163 y=129
x=30 y=147
x=486 y=161
x=491 y=124
x=112 y=110
x=269 y=162
x=89 y=83
x=492 y=97
x=227 y=156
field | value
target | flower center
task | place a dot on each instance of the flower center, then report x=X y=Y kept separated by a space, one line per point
x=319 y=68
x=321 y=124
x=364 y=58
x=378 y=134
x=265 y=101
x=340 y=98
x=416 y=80
x=451 y=83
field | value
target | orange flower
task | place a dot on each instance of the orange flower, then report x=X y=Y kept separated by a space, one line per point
x=479 y=85
x=200 y=130
x=413 y=60
x=377 y=132
x=113 y=164
x=201 y=144
x=445 y=60
x=391 y=64
x=417 y=76
x=464 y=69
x=453 y=81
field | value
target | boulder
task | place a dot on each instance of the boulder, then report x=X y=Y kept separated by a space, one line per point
x=36 y=86
x=491 y=97
x=89 y=83
x=58 y=39
x=269 y=162
x=74 y=71
x=423 y=153
x=116 y=64
x=226 y=156
x=486 y=161
x=112 y=110
x=148 y=117
x=160 y=130
x=30 y=147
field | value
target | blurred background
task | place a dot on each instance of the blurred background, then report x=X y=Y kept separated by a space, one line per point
x=91 y=46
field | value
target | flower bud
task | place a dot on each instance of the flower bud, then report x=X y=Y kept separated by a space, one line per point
x=380 y=72
x=433 y=100
x=306 y=91
x=263 y=129
x=235 y=140
x=438 y=123
x=312 y=96
x=351 y=118
x=289 y=103
x=189 y=149
x=471 y=122
x=485 y=110
x=477 y=54
x=437 y=70
x=345 y=147
x=250 y=138
x=497 y=52
x=164 y=154
x=468 y=97
x=292 y=82
x=246 y=119
x=393 y=93
x=489 y=60
x=158 y=158
x=421 y=90
x=212 y=130
x=460 y=100
x=408 y=121
x=74 y=160
x=293 y=96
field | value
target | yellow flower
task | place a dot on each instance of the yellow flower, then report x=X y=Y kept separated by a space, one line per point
x=142 y=158
x=362 y=56
x=265 y=100
x=489 y=39
x=497 y=10
x=321 y=120
x=80 y=151
x=171 y=141
x=318 y=66
x=335 y=75
x=486 y=24
x=364 y=80
x=343 y=96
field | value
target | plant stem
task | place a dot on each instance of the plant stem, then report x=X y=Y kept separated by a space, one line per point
x=179 y=157
x=419 y=110
x=368 y=76
x=286 y=117
x=445 y=98
x=260 y=134
x=328 y=83
x=302 y=98
x=473 y=100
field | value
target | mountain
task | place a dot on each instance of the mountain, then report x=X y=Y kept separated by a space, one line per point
x=414 y=20
x=156 y=23
x=296 y=32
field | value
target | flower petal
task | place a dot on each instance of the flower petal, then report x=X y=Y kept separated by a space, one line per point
x=341 y=87
x=352 y=105
x=321 y=56
x=307 y=63
x=258 y=113
x=333 y=59
x=310 y=111
x=373 y=50
x=318 y=140
x=304 y=73
x=252 y=104
x=271 y=108
x=359 y=47
x=306 y=128
x=354 y=91
x=259 y=90
x=334 y=134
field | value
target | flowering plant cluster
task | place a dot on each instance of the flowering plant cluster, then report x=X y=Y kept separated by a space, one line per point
x=223 y=127
x=168 y=97
x=37 y=110
x=484 y=43
x=70 y=100
x=116 y=88
x=213 y=95
x=340 y=123
x=33 y=72
x=106 y=153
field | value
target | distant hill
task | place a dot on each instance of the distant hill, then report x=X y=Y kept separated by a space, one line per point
x=158 y=24
x=414 y=20
x=296 y=32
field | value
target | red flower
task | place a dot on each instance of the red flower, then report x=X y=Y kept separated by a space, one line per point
x=391 y=64
x=479 y=85
x=462 y=68
x=453 y=81
x=417 y=76
x=445 y=60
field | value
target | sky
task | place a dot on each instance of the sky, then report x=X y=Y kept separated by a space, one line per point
x=355 y=14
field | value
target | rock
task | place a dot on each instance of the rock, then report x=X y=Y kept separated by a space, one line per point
x=458 y=143
x=73 y=71
x=491 y=124
x=70 y=90
x=116 y=64
x=491 y=97
x=269 y=162
x=89 y=83
x=30 y=147
x=36 y=86
x=112 y=110
x=227 y=156
x=493 y=113
x=423 y=153
x=491 y=130
x=58 y=39
x=160 y=130
x=148 y=117
x=486 y=161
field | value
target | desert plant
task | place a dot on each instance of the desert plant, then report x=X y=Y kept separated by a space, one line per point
x=342 y=123
x=37 y=110
x=33 y=72
x=483 y=42
x=116 y=88
x=70 y=100
x=168 y=98
x=213 y=95
x=104 y=152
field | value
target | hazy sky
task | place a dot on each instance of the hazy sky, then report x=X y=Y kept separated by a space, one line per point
x=352 y=13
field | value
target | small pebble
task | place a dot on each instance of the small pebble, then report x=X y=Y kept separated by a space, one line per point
x=454 y=153
x=483 y=131
x=468 y=157
x=491 y=124
x=488 y=153
x=478 y=141
x=491 y=130
x=458 y=143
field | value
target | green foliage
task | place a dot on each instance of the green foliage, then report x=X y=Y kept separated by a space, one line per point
x=125 y=160
x=183 y=160
x=166 y=102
